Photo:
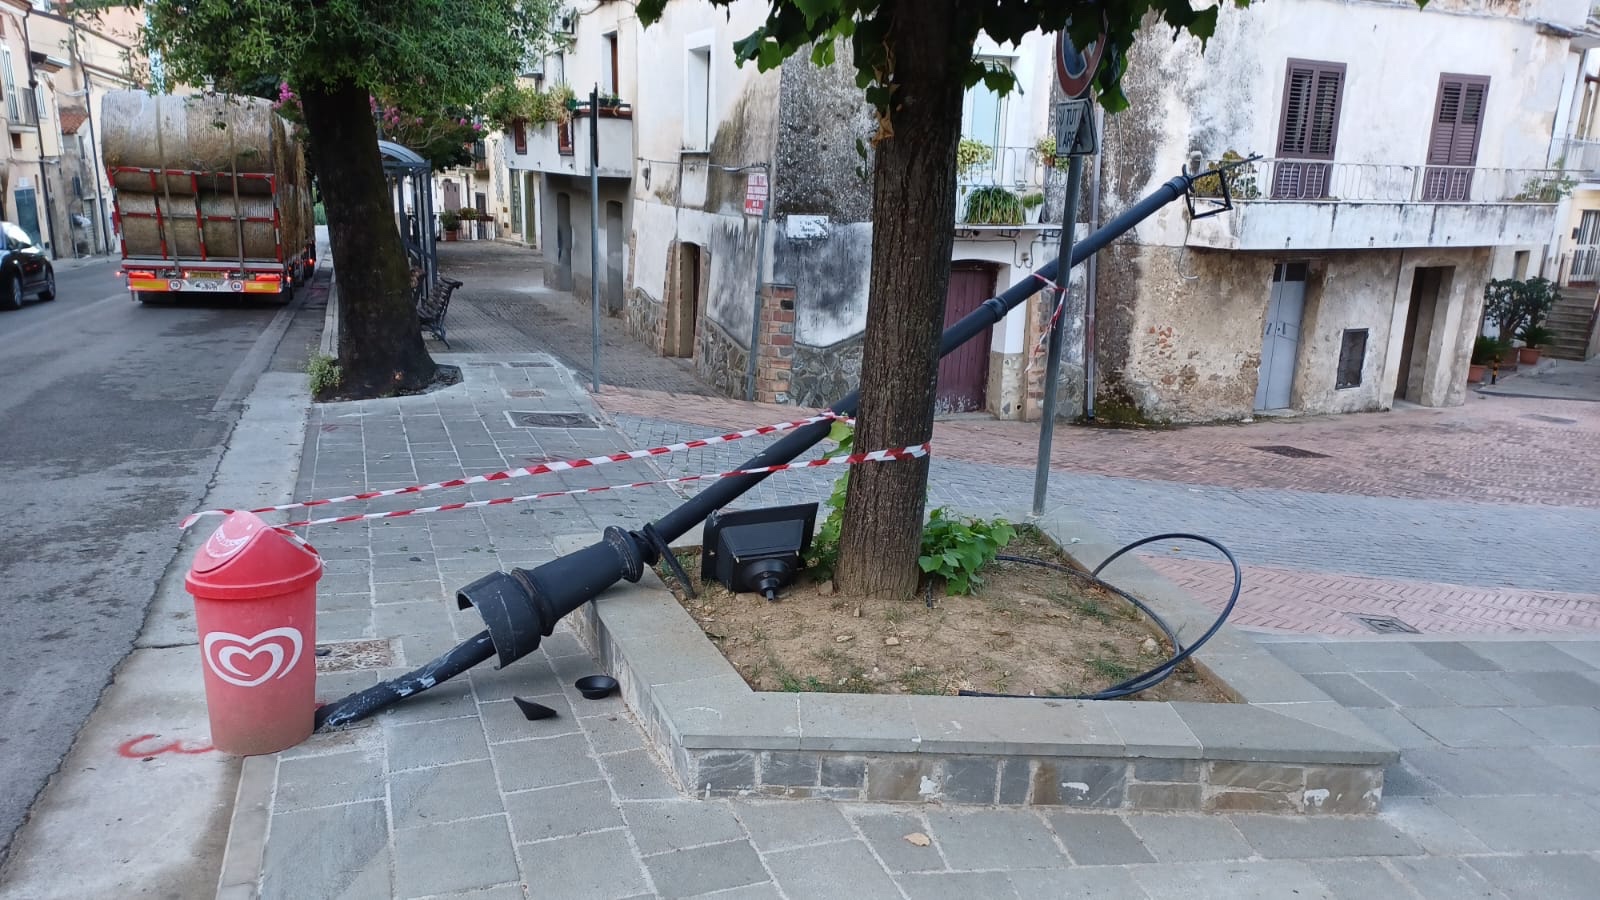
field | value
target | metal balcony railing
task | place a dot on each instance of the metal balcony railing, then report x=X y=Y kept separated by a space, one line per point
x=1578 y=155
x=1018 y=168
x=1314 y=181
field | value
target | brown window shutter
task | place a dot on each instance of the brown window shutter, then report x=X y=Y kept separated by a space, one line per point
x=1453 y=137
x=519 y=133
x=1312 y=98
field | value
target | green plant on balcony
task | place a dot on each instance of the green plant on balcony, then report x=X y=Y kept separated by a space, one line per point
x=972 y=154
x=1241 y=181
x=450 y=221
x=1548 y=188
x=994 y=206
x=512 y=103
x=467 y=213
x=1045 y=149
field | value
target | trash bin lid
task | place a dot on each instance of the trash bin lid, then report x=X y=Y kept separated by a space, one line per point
x=246 y=559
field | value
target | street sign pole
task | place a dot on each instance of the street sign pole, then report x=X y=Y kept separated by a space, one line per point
x=1076 y=137
x=594 y=229
x=1052 y=372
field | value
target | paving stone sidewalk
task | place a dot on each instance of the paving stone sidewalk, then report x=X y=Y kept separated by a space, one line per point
x=454 y=794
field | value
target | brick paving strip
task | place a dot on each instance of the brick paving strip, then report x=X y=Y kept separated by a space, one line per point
x=1324 y=603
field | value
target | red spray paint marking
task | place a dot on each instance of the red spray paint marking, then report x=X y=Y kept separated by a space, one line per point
x=130 y=748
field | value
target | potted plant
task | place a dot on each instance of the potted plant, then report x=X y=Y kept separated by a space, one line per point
x=994 y=206
x=1032 y=206
x=450 y=221
x=1513 y=305
x=610 y=101
x=1533 y=337
x=1483 y=353
x=1045 y=149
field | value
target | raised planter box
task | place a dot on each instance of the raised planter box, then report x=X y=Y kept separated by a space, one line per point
x=1285 y=747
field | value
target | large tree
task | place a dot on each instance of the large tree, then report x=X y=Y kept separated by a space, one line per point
x=913 y=59
x=337 y=55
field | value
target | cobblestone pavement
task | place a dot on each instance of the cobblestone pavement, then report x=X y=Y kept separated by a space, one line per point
x=454 y=794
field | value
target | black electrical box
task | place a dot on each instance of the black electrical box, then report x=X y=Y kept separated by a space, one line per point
x=757 y=550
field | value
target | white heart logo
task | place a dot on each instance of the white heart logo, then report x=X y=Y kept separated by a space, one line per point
x=271 y=642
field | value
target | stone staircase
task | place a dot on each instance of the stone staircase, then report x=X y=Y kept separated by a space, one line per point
x=1569 y=323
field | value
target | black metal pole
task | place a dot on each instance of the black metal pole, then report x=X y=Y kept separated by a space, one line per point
x=1058 y=324
x=520 y=606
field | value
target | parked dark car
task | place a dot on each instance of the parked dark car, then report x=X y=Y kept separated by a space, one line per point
x=25 y=270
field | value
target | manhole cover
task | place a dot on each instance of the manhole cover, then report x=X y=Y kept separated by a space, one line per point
x=550 y=420
x=1554 y=420
x=1295 y=452
x=529 y=394
x=530 y=365
x=1386 y=625
x=344 y=656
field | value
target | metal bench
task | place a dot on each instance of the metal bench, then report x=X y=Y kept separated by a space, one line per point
x=431 y=308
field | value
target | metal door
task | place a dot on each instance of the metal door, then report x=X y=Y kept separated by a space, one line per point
x=964 y=374
x=28 y=213
x=1280 y=339
x=1586 y=250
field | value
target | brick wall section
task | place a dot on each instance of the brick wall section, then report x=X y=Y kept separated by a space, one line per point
x=775 y=356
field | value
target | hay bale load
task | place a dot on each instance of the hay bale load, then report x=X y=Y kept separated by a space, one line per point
x=213 y=176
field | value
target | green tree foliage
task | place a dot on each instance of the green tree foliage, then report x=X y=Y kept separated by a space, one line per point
x=428 y=58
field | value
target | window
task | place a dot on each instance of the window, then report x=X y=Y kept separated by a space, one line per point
x=519 y=135
x=1352 y=356
x=1519 y=264
x=983 y=110
x=1309 y=128
x=608 y=67
x=13 y=105
x=39 y=106
x=1453 y=138
x=697 y=100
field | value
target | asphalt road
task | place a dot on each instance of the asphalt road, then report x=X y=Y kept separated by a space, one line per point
x=113 y=416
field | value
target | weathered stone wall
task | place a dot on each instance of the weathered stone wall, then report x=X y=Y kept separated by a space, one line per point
x=824 y=374
x=720 y=359
x=642 y=319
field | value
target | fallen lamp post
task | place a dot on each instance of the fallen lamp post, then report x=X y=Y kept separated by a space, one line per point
x=521 y=607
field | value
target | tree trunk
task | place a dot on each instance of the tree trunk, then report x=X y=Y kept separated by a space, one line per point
x=380 y=344
x=913 y=216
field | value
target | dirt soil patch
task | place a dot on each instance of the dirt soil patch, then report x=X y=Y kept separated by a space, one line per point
x=1027 y=630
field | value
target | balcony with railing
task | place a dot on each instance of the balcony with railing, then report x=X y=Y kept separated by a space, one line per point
x=1580 y=156
x=562 y=148
x=1308 y=204
x=1004 y=187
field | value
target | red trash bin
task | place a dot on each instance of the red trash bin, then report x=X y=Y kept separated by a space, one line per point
x=255 y=602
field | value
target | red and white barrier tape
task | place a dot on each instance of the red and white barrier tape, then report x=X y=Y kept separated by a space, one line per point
x=540 y=469
x=871 y=456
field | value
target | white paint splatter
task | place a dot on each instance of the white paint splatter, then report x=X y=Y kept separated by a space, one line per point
x=1317 y=796
x=928 y=788
x=1078 y=786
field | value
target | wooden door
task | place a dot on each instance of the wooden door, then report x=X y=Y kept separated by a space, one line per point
x=964 y=374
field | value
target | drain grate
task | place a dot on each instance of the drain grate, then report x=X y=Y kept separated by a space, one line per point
x=531 y=364
x=345 y=656
x=551 y=420
x=1386 y=624
x=529 y=394
x=1295 y=452
x=1553 y=420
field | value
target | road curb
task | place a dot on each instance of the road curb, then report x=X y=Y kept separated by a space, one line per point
x=330 y=320
x=245 y=850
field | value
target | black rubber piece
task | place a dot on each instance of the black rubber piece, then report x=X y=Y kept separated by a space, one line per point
x=595 y=687
x=534 y=711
